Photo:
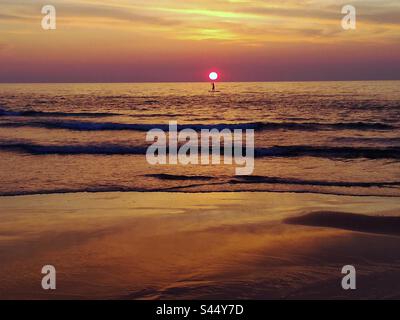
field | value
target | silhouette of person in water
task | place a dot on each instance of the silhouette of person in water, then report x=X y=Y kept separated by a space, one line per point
x=213 y=87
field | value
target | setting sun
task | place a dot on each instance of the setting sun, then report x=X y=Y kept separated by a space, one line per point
x=213 y=76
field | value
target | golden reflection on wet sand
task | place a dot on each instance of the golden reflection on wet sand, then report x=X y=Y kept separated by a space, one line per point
x=169 y=245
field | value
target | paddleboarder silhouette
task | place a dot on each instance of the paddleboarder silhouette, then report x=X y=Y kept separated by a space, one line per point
x=213 y=76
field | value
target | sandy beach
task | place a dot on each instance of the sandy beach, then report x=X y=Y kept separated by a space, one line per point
x=194 y=246
x=199 y=150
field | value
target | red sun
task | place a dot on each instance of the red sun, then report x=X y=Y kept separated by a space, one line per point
x=213 y=76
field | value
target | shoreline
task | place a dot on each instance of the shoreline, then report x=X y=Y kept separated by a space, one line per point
x=173 y=190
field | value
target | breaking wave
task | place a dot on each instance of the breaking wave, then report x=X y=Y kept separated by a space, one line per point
x=259 y=126
x=224 y=183
x=34 y=113
x=277 y=151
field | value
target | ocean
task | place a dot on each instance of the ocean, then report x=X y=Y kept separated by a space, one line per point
x=339 y=138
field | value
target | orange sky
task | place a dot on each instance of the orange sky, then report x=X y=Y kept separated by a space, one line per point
x=180 y=40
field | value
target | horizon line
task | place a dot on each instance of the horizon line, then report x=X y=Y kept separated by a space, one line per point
x=159 y=82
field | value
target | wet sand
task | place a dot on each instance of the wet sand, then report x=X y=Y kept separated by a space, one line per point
x=198 y=246
x=350 y=221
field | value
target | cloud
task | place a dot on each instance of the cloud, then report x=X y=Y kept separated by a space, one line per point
x=83 y=11
x=4 y=18
x=255 y=21
x=113 y=13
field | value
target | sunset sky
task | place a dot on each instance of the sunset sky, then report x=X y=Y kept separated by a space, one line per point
x=181 y=40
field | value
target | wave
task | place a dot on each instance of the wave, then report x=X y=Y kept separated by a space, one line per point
x=277 y=151
x=227 y=184
x=276 y=180
x=379 y=140
x=329 y=152
x=73 y=190
x=173 y=177
x=56 y=114
x=314 y=126
x=37 y=149
x=34 y=113
x=323 y=183
x=258 y=126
